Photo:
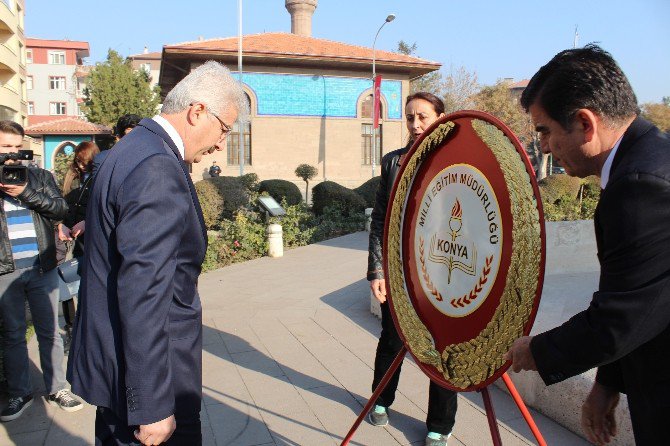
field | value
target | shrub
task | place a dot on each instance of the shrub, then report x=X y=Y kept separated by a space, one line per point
x=555 y=187
x=368 y=191
x=306 y=172
x=220 y=198
x=334 y=223
x=329 y=194
x=567 y=198
x=281 y=189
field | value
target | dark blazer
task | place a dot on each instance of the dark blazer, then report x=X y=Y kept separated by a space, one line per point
x=626 y=329
x=137 y=338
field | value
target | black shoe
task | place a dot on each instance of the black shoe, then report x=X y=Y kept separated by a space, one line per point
x=378 y=418
x=16 y=407
x=65 y=400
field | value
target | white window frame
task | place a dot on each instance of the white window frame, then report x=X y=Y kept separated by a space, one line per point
x=57 y=57
x=29 y=83
x=31 y=108
x=29 y=56
x=57 y=83
x=55 y=107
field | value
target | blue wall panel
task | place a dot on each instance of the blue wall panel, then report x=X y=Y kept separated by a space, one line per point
x=304 y=95
x=51 y=143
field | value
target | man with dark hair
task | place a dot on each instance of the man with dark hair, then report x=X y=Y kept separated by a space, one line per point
x=214 y=170
x=586 y=113
x=126 y=124
x=28 y=213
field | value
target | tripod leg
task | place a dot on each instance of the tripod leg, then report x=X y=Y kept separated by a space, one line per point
x=380 y=388
x=524 y=411
x=491 y=417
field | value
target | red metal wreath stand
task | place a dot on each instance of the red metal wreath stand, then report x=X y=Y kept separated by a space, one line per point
x=490 y=413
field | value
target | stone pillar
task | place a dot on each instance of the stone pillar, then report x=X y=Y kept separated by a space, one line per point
x=275 y=240
x=301 y=16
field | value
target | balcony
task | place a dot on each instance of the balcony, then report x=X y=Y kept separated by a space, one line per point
x=10 y=98
x=8 y=59
x=8 y=20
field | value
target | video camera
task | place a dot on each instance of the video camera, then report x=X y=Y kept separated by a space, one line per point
x=16 y=174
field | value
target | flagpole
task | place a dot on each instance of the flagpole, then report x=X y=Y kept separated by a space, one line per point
x=375 y=97
x=240 y=129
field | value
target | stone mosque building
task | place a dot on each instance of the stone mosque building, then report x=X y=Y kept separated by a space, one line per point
x=310 y=100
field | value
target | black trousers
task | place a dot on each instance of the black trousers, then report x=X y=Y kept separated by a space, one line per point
x=441 y=402
x=111 y=431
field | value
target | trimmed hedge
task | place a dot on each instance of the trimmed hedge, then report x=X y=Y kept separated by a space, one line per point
x=331 y=194
x=368 y=191
x=279 y=189
x=555 y=187
x=221 y=197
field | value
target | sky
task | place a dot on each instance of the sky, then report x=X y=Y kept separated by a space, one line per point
x=492 y=38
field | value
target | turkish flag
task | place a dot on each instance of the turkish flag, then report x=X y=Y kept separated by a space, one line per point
x=377 y=96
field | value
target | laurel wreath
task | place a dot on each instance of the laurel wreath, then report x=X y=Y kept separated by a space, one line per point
x=469 y=297
x=426 y=277
x=471 y=362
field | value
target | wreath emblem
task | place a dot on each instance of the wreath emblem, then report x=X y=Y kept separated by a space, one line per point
x=464 y=300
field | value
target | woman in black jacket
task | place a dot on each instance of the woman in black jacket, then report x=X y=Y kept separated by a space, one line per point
x=421 y=110
x=76 y=188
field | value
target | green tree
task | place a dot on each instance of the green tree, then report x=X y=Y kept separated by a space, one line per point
x=658 y=114
x=114 y=89
x=306 y=172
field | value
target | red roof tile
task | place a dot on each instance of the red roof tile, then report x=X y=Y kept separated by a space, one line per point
x=521 y=84
x=67 y=126
x=287 y=44
x=60 y=44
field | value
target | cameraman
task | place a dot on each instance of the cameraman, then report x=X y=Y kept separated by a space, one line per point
x=28 y=213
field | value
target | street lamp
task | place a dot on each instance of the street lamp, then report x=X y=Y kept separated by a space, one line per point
x=389 y=18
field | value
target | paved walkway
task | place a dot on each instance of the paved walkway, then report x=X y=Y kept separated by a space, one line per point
x=288 y=353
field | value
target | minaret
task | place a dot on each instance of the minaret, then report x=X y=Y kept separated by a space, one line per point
x=301 y=16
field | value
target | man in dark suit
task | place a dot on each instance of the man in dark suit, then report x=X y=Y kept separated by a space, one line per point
x=586 y=113
x=137 y=343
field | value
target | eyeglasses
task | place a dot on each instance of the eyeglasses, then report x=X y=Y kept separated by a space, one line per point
x=225 y=128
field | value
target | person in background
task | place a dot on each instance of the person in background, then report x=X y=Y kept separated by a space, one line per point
x=28 y=213
x=76 y=189
x=421 y=110
x=214 y=170
x=125 y=124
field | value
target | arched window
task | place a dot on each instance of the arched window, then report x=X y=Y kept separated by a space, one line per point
x=367 y=109
x=234 y=142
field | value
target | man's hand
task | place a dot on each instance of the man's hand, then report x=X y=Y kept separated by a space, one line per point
x=156 y=433
x=520 y=355
x=78 y=229
x=13 y=190
x=598 y=421
x=378 y=287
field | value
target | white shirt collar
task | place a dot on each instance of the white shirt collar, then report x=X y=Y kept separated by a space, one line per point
x=172 y=133
x=607 y=167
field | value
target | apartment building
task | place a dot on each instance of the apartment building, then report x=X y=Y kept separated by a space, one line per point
x=13 y=105
x=55 y=69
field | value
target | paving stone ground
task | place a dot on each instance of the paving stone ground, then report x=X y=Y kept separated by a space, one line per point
x=288 y=354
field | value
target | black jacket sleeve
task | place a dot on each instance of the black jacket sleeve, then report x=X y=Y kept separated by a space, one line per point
x=632 y=305
x=43 y=196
